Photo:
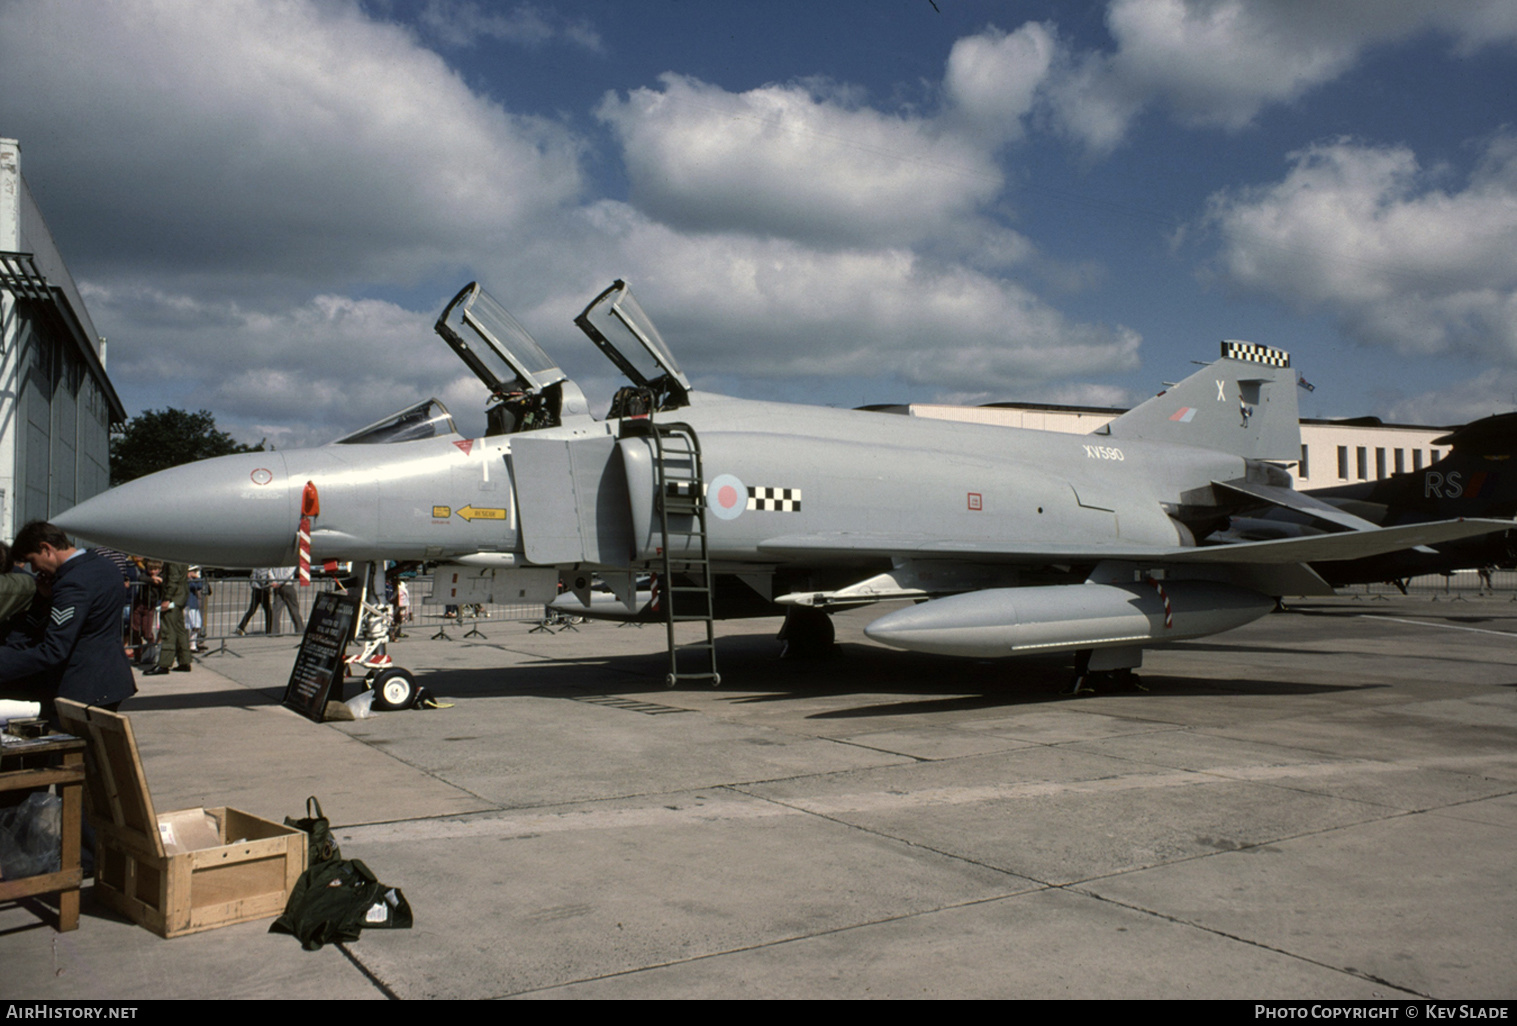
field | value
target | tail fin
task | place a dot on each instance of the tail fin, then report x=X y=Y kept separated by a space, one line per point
x=1244 y=404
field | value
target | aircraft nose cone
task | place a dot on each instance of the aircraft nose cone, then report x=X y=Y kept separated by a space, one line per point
x=237 y=510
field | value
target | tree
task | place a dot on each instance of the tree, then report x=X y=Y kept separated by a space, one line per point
x=157 y=439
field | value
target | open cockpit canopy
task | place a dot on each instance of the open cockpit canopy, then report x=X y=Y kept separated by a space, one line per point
x=528 y=389
x=617 y=325
x=495 y=345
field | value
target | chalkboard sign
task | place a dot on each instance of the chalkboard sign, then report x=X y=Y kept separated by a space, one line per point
x=320 y=660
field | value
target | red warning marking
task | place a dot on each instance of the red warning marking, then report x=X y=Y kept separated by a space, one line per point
x=465 y=445
x=976 y=501
x=1169 y=613
x=303 y=545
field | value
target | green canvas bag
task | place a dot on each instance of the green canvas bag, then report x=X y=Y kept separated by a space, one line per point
x=334 y=900
x=322 y=846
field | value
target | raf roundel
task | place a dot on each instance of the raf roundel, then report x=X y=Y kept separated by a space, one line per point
x=262 y=476
x=726 y=497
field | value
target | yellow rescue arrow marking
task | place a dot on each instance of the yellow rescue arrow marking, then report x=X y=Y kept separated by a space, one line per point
x=473 y=513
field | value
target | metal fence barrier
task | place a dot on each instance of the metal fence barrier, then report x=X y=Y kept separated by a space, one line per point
x=230 y=607
x=421 y=613
x=1459 y=586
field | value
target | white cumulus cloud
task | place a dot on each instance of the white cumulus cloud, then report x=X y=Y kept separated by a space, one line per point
x=297 y=375
x=736 y=303
x=1218 y=63
x=1491 y=393
x=796 y=161
x=993 y=78
x=286 y=139
x=1393 y=252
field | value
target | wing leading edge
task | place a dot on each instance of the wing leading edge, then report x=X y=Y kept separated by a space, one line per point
x=1319 y=548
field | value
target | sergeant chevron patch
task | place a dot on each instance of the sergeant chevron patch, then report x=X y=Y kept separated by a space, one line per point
x=63 y=616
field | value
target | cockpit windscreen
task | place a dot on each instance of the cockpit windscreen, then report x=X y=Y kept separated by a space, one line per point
x=429 y=419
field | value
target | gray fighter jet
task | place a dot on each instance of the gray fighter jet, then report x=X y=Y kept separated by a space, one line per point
x=1008 y=541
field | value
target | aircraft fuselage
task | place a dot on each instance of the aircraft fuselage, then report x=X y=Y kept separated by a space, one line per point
x=780 y=480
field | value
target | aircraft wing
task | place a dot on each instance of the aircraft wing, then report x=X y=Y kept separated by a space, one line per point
x=1320 y=548
x=858 y=543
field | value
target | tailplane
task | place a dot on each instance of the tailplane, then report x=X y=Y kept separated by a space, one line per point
x=1243 y=403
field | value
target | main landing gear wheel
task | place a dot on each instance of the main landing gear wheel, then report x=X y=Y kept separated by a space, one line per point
x=1083 y=681
x=1080 y=683
x=394 y=689
x=807 y=634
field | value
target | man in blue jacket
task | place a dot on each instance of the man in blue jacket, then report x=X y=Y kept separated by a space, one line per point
x=80 y=654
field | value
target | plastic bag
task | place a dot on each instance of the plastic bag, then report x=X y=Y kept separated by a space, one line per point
x=31 y=837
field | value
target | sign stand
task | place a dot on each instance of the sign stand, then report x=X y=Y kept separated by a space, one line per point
x=320 y=662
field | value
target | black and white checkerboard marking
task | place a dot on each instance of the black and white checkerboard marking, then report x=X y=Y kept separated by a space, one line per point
x=1252 y=353
x=774 y=500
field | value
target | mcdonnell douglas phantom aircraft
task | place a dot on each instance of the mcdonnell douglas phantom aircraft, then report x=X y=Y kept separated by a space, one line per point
x=1009 y=541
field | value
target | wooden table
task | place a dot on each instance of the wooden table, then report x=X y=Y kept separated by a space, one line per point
x=50 y=760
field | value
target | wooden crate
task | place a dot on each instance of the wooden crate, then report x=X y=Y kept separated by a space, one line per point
x=176 y=872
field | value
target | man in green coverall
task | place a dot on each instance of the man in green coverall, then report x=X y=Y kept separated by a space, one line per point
x=174 y=640
x=16 y=589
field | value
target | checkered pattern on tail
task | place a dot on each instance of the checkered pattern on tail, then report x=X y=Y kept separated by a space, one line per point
x=1251 y=353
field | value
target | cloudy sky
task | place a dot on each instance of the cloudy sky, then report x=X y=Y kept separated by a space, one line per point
x=267 y=202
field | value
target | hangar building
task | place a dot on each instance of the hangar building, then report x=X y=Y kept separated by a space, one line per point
x=56 y=403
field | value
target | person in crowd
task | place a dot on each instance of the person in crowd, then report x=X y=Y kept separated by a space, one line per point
x=282 y=587
x=173 y=580
x=199 y=590
x=259 y=599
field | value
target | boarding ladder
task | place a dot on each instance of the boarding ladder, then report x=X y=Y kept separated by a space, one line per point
x=681 y=505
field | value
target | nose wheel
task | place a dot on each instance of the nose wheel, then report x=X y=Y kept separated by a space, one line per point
x=394 y=689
